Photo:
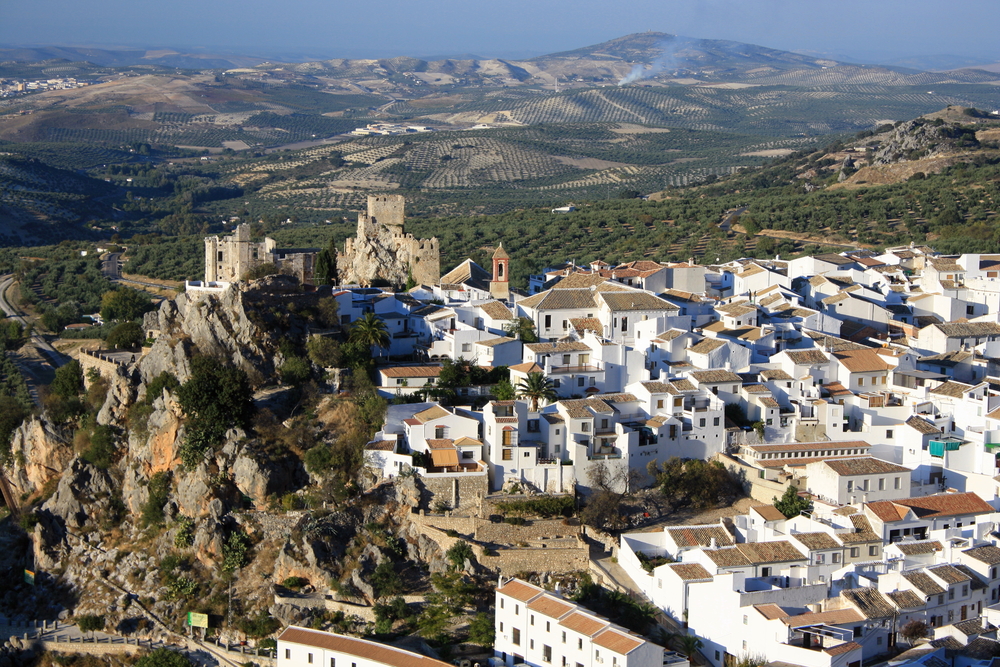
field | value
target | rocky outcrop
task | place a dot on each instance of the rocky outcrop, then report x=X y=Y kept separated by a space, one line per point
x=259 y=476
x=84 y=492
x=920 y=138
x=41 y=455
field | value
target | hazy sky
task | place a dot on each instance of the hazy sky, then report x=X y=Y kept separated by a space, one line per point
x=867 y=29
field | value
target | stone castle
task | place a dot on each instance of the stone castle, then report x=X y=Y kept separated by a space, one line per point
x=230 y=258
x=382 y=253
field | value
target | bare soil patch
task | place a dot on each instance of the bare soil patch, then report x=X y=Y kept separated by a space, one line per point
x=629 y=128
x=773 y=152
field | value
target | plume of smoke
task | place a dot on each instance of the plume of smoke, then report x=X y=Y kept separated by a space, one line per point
x=667 y=60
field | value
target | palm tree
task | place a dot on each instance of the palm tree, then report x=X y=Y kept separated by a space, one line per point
x=536 y=387
x=370 y=331
x=690 y=644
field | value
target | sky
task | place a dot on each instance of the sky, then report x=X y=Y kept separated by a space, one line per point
x=863 y=30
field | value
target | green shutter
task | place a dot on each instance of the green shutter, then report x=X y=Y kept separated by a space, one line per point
x=937 y=448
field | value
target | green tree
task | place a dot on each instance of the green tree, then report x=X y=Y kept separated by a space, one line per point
x=482 y=631
x=163 y=657
x=295 y=371
x=370 y=331
x=328 y=312
x=791 y=503
x=125 y=304
x=458 y=553
x=68 y=381
x=12 y=414
x=523 y=328
x=913 y=630
x=385 y=580
x=325 y=271
x=125 y=336
x=235 y=551
x=536 y=387
x=215 y=399
x=90 y=623
x=504 y=390
x=261 y=271
x=323 y=351
x=690 y=645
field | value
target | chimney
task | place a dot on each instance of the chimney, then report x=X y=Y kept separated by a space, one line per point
x=712 y=544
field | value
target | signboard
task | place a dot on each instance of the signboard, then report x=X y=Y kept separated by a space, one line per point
x=196 y=620
x=29 y=577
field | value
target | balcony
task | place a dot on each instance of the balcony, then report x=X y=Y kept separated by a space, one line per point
x=589 y=368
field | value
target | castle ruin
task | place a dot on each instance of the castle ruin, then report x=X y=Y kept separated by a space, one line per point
x=382 y=252
x=230 y=258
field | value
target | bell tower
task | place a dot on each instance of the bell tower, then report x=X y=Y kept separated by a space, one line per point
x=499 y=285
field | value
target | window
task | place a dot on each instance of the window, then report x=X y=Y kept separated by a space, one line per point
x=951 y=593
x=564 y=637
x=310 y=658
x=533 y=426
x=565 y=360
x=527 y=454
x=333 y=662
x=857 y=631
x=501 y=603
x=584 y=359
x=585 y=427
x=531 y=619
x=556 y=383
x=579 y=644
x=565 y=324
x=593 y=382
x=888 y=434
x=965 y=590
x=745 y=622
x=604 y=423
x=517 y=610
x=531 y=644
x=701 y=423
x=820 y=559
x=835 y=558
x=659 y=403
x=288 y=654
x=548 y=321
x=941 y=599
x=508 y=455
x=896 y=483
x=861 y=382
x=951 y=615
x=515 y=636
x=881 y=483
x=546 y=653
x=580 y=381
x=439 y=432
x=873 y=550
x=855 y=552
x=467 y=454
x=850 y=485
x=715 y=422
x=501 y=626
x=466 y=347
x=765 y=572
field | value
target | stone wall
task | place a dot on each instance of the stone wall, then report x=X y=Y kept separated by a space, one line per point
x=538 y=530
x=463 y=492
x=106 y=366
x=558 y=561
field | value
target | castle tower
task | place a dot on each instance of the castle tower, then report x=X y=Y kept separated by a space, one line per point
x=499 y=285
x=388 y=210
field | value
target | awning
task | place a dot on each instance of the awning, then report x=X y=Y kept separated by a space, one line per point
x=442 y=458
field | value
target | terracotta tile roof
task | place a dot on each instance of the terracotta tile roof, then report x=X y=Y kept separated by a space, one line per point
x=727 y=557
x=810 y=446
x=982 y=648
x=699 y=536
x=432 y=413
x=775 y=374
x=520 y=590
x=887 y=511
x=411 y=371
x=972 y=626
x=768 y=402
x=681 y=385
x=635 y=300
x=363 y=648
x=706 y=345
x=768 y=512
x=528 y=367
x=381 y=446
x=468 y=273
x=866 y=465
x=923 y=426
x=561 y=299
x=583 y=623
x=920 y=547
x=861 y=361
x=968 y=329
x=944 y=505
x=833 y=617
x=558 y=346
x=816 y=541
x=496 y=310
x=587 y=324
x=617 y=641
x=870 y=602
x=551 y=606
x=842 y=649
x=858 y=537
x=949 y=574
x=756 y=389
x=771 y=611
x=806 y=357
x=655 y=387
x=440 y=443
x=690 y=571
x=770 y=552
x=737 y=309
x=580 y=408
x=988 y=554
x=715 y=377
x=466 y=441
x=923 y=583
x=948 y=642
x=906 y=599
x=836 y=389
x=951 y=388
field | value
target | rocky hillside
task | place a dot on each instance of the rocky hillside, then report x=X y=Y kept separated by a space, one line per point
x=166 y=518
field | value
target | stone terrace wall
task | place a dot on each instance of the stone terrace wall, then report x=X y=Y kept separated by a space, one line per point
x=561 y=561
x=539 y=529
x=462 y=492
